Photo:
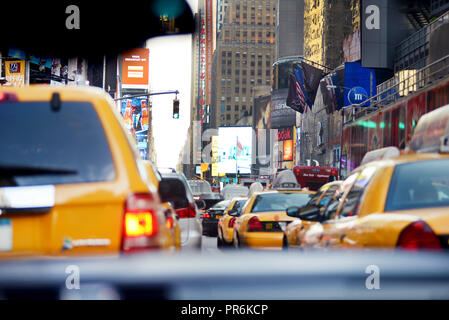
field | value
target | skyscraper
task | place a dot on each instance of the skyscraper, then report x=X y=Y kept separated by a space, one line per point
x=243 y=57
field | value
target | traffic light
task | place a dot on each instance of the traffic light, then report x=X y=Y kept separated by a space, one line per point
x=175 y=109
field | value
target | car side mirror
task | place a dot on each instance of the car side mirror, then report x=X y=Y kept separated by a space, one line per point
x=292 y=212
x=200 y=204
x=313 y=215
x=233 y=213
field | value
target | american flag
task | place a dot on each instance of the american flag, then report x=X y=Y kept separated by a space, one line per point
x=300 y=92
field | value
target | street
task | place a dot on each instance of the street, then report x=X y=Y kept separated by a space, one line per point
x=209 y=245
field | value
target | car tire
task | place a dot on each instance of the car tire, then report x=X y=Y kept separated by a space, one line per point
x=219 y=241
x=236 y=241
x=284 y=244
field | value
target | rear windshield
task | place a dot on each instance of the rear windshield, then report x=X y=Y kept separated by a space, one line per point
x=418 y=185
x=39 y=146
x=173 y=190
x=280 y=201
x=199 y=187
x=222 y=205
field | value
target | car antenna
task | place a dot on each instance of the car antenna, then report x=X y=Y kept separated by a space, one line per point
x=55 y=102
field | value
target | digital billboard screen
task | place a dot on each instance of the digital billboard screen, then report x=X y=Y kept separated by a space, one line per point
x=235 y=150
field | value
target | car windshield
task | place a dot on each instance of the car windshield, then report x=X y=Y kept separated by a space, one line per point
x=419 y=185
x=199 y=187
x=48 y=147
x=280 y=201
x=222 y=205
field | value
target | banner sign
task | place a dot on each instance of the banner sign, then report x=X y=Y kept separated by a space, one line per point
x=15 y=72
x=135 y=67
x=203 y=114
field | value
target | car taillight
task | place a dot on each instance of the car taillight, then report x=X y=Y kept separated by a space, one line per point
x=169 y=222
x=231 y=222
x=189 y=212
x=296 y=171
x=254 y=224
x=8 y=97
x=417 y=236
x=206 y=215
x=140 y=223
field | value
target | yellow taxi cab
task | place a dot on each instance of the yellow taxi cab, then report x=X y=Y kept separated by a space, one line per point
x=172 y=228
x=264 y=218
x=227 y=220
x=395 y=201
x=318 y=203
x=71 y=182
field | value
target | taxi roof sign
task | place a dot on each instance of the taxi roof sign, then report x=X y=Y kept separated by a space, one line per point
x=432 y=132
x=380 y=154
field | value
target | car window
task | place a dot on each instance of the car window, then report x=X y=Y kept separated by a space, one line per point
x=52 y=147
x=222 y=205
x=173 y=190
x=418 y=185
x=331 y=211
x=351 y=204
x=199 y=187
x=315 y=198
x=280 y=201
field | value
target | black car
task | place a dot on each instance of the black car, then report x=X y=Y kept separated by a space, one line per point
x=202 y=191
x=211 y=217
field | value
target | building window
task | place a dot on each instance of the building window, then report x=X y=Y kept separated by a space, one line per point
x=228 y=108
x=236 y=108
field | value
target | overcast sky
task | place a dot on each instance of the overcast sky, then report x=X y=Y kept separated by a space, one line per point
x=170 y=69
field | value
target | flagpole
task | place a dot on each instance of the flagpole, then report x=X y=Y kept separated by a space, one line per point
x=236 y=165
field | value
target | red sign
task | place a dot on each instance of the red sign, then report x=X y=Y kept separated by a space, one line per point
x=285 y=134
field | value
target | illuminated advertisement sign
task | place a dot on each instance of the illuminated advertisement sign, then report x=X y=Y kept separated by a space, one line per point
x=285 y=134
x=203 y=112
x=235 y=150
x=135 y=68
x=288 y=150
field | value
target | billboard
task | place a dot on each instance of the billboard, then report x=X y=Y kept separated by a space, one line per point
x=288 y=150
x=235 y=150
x=281 y=114
x=135 y=69
x=262 y=109
x=136 y=114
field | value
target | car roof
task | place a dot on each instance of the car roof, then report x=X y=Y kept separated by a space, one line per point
x=406 y=158
x=44 y=93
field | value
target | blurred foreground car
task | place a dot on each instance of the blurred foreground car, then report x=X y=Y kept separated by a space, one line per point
x=263 y=219
x=70 y=179
x=211 y=217
x=397 y=201
x=226 y=222
x=316 y=205
x=253 y=275
x=175 y=189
